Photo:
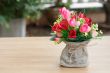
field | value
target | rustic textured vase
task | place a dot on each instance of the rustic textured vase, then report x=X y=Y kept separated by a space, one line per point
x=74 y=54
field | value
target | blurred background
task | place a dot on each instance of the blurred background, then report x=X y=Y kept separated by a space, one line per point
x=27 y=18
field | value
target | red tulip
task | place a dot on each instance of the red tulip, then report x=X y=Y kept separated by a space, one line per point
x=64 y=24
x=56 y=27
x=81 y=15
x=72 y=34
x=88 y=21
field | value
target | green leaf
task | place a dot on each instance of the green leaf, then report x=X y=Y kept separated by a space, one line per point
x=95 y=26
x=65 y=33
x=4 y=22
x=81 y=20
x=53 y=34
x=52 y=38
x=70 y=28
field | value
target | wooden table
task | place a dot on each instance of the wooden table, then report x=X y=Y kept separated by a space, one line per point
x=40 y=55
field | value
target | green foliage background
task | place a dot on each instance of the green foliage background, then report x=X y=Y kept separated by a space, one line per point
x=11 y=9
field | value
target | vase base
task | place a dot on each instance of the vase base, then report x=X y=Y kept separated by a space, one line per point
x=74 y=66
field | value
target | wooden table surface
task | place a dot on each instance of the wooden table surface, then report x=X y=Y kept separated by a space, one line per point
x=40 y=55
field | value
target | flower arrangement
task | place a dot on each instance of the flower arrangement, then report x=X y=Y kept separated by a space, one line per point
x=73 y=27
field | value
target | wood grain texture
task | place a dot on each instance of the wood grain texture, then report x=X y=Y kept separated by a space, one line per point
x=40 y=55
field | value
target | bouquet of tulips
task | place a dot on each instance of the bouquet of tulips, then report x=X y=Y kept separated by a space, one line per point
x=73 y=27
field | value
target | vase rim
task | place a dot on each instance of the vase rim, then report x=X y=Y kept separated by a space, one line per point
x=77 y=42
x=87 y=41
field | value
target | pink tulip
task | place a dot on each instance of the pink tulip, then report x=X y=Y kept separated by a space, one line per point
x=65 y=13
x=85 y=28
x=59 y=34
x=57 y=40
x=72 y=22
